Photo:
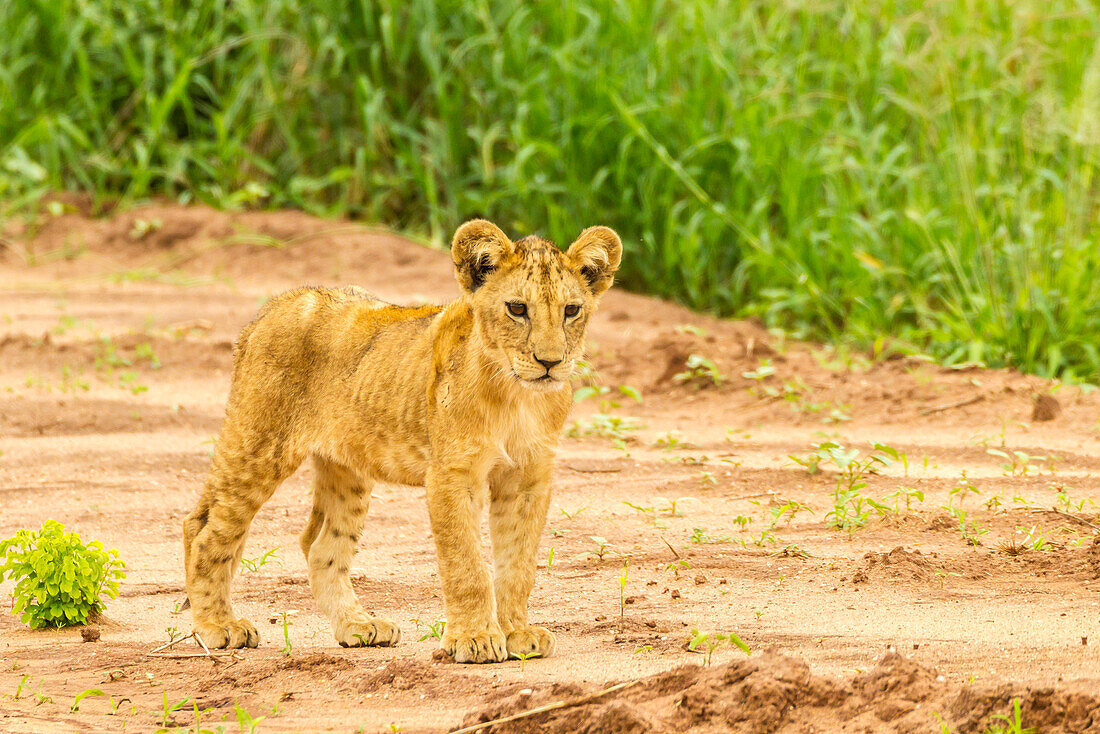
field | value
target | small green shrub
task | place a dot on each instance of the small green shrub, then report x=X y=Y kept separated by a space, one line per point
x=59 y=581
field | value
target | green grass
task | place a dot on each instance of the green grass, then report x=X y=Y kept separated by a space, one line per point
x=922 y=171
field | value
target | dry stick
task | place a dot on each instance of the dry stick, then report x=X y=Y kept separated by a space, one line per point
x=172 y=643
x=601 y=470
x=1081 y=520
x=158 y=652
x=752 y=496
x=548 y=707
x=957 y=404
x=212 y=656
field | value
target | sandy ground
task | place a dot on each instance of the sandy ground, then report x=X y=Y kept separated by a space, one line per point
x=115 y=347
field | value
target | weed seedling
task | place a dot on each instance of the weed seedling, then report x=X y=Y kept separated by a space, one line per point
x=969 y=529
x=1015 y=463
x=168 y=710
x=962 y=490
x=850 y=509
x=603 y=548
x=647 y=512
x=82 y=695
x=792 y=551
x=604 y=425
x=572 y=515
x=523 y=657
x=711 y=641
x=1013 y=724
x=244 y=719
x=942 y=575
x=680 y=564
x=550 y=560
x=699 y=536
x=906 y=495
x=673 y=508
x=19 y=688
x=700 y=371
x=787 y=511
x=670 y=441
x=1031 y=541
x=435 y=629
x=288 y=649
x=766 y=538
x=622 y=592
x=763 y=371
x=255 y=564
x=1065 y=503
x=607 y=403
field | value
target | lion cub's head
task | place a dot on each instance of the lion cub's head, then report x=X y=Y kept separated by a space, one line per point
x=531 y=301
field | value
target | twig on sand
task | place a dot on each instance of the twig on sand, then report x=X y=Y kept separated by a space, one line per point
x=752 y=496
x=674 y=553
x=548 y=707
x=163 y=650
x=594 y=469
x=1073 y=517
x=173 y=643
x=950 y=406
x=201 y=643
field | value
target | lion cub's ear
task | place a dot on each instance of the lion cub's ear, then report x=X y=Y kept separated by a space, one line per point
x=596 y=256
x=477 y=250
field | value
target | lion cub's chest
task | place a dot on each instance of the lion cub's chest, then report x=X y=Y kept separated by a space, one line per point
x=521 y=431
x=512 y=429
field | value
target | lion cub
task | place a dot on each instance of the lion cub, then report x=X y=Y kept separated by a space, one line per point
x=467 y=400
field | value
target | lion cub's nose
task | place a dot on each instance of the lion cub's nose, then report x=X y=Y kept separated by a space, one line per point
x=547 y=363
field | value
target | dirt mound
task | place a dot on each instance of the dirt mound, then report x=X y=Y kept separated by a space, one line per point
x=899 y=564
x=304 y=668
x=1092 y=557
x=777 y=693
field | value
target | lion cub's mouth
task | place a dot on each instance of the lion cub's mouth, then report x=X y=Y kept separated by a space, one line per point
x=544 y=383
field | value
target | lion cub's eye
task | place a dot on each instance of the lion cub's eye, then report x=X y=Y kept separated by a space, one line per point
x=572 y=310
x=517 y=309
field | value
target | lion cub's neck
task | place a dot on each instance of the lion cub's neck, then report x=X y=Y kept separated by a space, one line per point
x=467 y=381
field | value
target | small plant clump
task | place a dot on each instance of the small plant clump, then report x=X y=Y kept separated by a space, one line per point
x=603 y=548
x=59 y=581
x=700 y=372
x=851 y=509
x=255 y=564
x=711 y=641
x=435 y=629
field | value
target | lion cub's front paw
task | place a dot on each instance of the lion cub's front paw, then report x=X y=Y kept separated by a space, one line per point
x=234 y=633
x=528 y=641
x=374 y=632
x=480 y=647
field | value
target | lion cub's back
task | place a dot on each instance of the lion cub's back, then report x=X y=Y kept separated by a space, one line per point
x=309 y=341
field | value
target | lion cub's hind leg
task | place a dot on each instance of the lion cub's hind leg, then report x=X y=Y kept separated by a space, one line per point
x=330 y=540
x=240 y=481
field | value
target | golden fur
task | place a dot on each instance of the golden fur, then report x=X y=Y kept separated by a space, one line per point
x=467 y=400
